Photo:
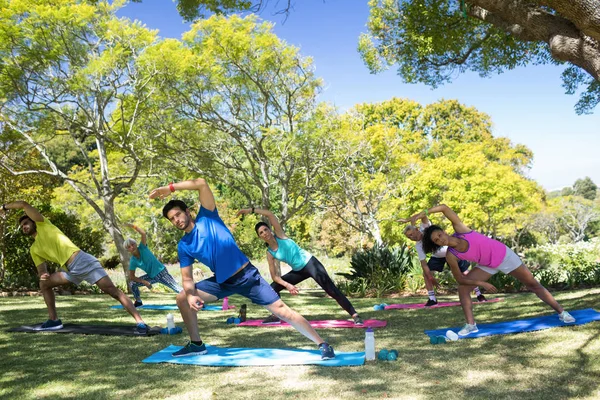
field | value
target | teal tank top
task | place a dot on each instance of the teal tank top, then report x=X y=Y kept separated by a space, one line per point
x=290 y=253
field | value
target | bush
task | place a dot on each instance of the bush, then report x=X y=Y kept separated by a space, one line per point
x=378 y=271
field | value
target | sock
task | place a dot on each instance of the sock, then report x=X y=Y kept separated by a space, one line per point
x=477 y=291
x=431 y=294
x=323 y=344
x=197 y=343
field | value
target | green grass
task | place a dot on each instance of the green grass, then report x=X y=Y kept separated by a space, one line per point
x=551 y=364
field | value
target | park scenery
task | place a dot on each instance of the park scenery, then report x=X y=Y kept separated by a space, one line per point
x=226 y=199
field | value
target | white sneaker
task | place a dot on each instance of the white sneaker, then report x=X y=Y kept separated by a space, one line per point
x=566 y=317
x=468 y=328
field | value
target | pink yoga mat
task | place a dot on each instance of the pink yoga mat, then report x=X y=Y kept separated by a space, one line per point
x=330 y=323
x=438 y=305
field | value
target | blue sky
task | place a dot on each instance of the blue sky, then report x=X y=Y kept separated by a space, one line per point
x=527 y=105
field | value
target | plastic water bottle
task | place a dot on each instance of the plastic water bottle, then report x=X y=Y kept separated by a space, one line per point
x=370 y=345
x=225 y=304
x=170 y=322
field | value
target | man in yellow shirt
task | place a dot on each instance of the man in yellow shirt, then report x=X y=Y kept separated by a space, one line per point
x=50 y=244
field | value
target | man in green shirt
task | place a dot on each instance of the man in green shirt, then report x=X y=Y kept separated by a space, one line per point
x=50 y=244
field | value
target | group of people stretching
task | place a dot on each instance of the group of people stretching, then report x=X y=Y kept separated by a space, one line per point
x=208 y=240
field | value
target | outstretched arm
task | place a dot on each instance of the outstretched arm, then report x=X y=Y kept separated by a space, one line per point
x=205 y=195
x=457 y=224
x=427 y=273
x=462 y=279
x=31 y=211
x=424 y=220
x=275 y=270
x=270 y=216
x=140 y=231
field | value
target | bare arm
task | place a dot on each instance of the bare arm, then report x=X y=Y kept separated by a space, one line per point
x=205 y=195
x=43 y=271
x=31 y=211
x=270 y=216
x=462 y=279
x=140 y=231
x=134 y=278
x=275 y=270
x=457 y=224
x=187 y=279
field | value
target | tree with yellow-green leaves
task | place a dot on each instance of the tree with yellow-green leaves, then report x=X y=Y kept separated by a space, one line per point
x=397 y=157
x=236 y=105
x=70 y=83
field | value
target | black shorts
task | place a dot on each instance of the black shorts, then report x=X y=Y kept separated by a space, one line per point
x=437 y=264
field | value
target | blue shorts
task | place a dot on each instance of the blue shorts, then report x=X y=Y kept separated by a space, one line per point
x=246 y=282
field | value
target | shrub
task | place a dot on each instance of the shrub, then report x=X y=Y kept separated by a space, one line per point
x=378 y=271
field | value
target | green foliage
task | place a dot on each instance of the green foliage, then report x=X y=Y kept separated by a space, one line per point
x=430 y=42
x=585 y=188
x=381 y=269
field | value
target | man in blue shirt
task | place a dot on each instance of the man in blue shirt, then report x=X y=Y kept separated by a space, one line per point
x=209 y=241
x=142 y=258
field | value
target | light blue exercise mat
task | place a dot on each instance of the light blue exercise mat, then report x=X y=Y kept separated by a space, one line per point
x=248 y=357
x=207 y=307
x=524 y=325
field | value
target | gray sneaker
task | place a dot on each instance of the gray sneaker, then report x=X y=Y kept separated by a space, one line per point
x=271 y=319
x=468 y=329
x=566 y=317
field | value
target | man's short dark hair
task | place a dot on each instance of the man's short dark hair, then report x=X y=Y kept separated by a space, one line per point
x=174 y=204
x=428 y=245
x=24 y=217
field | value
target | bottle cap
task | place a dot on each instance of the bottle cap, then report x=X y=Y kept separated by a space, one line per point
x=369 y=329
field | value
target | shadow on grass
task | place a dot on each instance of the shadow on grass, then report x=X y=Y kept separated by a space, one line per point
x=550 y=364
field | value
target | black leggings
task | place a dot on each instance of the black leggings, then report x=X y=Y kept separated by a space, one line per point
x=314 y=269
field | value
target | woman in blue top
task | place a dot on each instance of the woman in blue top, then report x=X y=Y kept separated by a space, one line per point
x=142 y=258
x=304 y=265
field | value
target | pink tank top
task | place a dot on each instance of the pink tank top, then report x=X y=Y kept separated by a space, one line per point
x=482 y=250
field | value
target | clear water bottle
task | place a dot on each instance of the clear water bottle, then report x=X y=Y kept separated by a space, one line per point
x=170 y=322
x=369 y=344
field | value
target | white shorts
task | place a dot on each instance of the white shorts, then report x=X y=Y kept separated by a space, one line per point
x=510 y=262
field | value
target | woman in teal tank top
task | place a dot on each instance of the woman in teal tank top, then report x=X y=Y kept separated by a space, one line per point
x=304 y=265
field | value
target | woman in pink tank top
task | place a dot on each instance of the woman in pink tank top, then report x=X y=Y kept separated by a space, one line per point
x=491 y=257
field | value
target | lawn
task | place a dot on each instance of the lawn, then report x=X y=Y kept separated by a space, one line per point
x=551 y=364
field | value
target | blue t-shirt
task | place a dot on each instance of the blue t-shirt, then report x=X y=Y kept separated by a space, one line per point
x=211 y=243
x=290 y=253
x=147 y=262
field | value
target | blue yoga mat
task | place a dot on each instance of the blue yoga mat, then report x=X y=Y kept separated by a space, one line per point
x=207 y=307
x=247 y=357
x=524 y=325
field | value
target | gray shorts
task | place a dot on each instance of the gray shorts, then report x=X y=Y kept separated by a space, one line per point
x=510 y=262
x=84 y=267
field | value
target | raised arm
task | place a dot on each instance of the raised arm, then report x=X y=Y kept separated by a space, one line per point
x=140 y=231
x=205 y=195
x=270 y=216
x=31 y=211
x=457 y=224
x=275 y=270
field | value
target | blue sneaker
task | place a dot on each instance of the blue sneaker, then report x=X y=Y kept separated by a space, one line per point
x=141 y=329
x=51 y=325
x=190 y=349
x=326 y=351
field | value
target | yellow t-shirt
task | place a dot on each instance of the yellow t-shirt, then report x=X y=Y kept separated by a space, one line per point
x=51 y=244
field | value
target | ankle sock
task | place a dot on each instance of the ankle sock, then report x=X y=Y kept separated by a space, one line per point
x=431 y=294
x=197 y=343
x=477 y=291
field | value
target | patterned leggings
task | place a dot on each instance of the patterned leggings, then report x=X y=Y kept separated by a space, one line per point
x=163 y=277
